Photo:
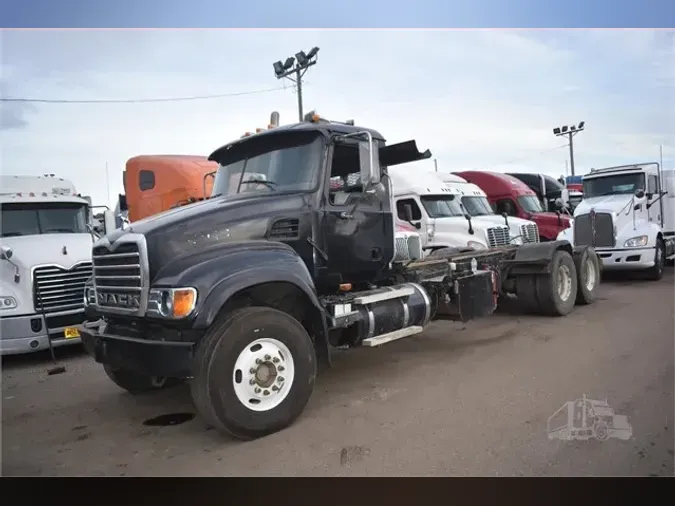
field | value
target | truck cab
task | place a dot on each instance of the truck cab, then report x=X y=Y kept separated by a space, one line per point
x=549 y=190
x=476 y=203
x=437 y=211
x=45 y=259
x=627 y=213
x=513 y=197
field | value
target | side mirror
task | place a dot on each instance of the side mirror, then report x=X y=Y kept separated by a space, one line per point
x=407 y=212
x=6 y=253
x=108 y=221
x=559 y=203
x=369 y=161
x=639 y=193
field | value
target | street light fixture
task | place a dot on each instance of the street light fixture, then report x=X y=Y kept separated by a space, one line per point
x=295 y=73
x=569 y=132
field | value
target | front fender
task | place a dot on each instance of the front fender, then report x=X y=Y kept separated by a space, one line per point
x=566 y=235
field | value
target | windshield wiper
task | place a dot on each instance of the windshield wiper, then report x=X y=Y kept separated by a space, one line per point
x=269 y=184
x=65 y=230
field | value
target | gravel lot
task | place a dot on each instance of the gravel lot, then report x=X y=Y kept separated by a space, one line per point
x=457 y=400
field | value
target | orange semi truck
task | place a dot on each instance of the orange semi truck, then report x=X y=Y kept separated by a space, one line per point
x=156 y=183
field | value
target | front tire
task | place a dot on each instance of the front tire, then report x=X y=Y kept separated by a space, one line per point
x=588 y=276
x=655 y=273
x=254 y=373
x=136 y=383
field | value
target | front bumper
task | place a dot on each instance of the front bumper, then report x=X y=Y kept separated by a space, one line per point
x=17 y=335
x=146 y=356
x=626 y=258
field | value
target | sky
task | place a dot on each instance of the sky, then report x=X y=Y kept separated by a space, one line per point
x=485 y=99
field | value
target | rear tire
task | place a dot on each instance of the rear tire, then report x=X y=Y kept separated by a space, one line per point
x=588 y=276
x=136 y=383
x=551 y=294
x=655 y=273
x=253 y=373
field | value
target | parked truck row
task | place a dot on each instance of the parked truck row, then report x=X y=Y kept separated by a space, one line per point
x=300 y=249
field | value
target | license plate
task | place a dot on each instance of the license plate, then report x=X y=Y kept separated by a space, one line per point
x=71 y=333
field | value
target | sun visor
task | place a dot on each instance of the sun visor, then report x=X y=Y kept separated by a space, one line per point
x=403 y=152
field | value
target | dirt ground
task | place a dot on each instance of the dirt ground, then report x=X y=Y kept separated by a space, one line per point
x=460 y=399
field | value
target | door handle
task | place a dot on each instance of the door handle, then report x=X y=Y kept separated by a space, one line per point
x=346 y=215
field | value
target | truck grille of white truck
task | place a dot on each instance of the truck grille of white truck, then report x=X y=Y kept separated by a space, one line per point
x=530 y=232
x=604 y=230
x=56 y=289
x=118 y=276
x=498 y=236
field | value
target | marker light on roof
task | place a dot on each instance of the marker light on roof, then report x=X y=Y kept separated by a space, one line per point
x=258 y=130
x=31 y=194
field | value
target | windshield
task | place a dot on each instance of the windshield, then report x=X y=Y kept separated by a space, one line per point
x=477 y=206
x=530 y=204
x=442 y=206
x=289 y=168
x=47 y=218
x=622 y=184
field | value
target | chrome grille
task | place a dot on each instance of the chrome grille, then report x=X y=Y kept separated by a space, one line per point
x=118 y=271
x=604 y=230
x=530 y=232
x=56 y=289
x=498 y=236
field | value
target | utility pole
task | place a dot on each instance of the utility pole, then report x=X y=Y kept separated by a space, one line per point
x=569 y=133
x=287 y=69
x=436 y=165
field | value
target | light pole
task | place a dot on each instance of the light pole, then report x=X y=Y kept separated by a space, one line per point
x=569 y=133
x=302 y=63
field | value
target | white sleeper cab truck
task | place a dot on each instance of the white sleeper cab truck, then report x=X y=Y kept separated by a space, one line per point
x=476 y=203
x=45 y=260
x=627 y=215
x=436 y=210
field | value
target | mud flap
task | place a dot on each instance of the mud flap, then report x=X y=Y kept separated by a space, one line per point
x=470 y=297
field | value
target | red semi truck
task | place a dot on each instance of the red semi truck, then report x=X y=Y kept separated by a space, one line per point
x=509 y=195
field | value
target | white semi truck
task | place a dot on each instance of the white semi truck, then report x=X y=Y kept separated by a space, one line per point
x=436 y=210
x=628 y=215
x=45 y=259
x=476 y=203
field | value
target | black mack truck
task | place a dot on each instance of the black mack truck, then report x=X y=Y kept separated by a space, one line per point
x=295 y=253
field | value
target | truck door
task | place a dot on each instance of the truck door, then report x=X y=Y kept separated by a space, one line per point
x=358 y=224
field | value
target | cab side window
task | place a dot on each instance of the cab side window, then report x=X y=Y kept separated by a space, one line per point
x=652 y=185
x=507 y=206
x=401 y=206
x=345 y=174
x=146 y=180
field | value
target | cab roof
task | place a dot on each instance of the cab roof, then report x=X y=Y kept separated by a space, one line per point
x=496 y=183
x=407 y=181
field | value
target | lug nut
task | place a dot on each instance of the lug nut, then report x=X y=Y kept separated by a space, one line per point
x=275 y=360
x=267 y=357
x=275 y=388
x=266 y=392
x=258 y=361
x=280 y=379
x=257 y=390
x=251 y=381
x=252 y=370
x=281 y=368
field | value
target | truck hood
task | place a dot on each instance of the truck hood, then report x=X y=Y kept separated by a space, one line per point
x=195 y=227
x=551 y=219
x=606 y=204
x=494 y=219
x=64 y=250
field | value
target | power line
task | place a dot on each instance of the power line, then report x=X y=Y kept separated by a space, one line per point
x=137 y=101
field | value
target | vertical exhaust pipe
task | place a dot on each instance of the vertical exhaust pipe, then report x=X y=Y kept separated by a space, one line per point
x=274 y=119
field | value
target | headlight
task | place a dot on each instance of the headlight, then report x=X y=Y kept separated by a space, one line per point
x=7 y=302
x=174 y=303
x=636 y=242
x=431 y=230
x=476 y=245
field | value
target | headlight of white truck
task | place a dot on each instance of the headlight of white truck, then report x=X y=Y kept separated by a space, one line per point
x=636 y=242
x=476 y=245
x=7 y=302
